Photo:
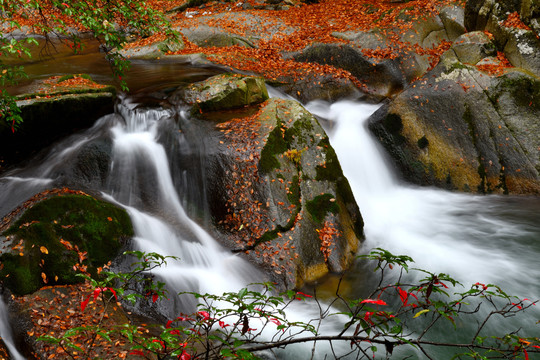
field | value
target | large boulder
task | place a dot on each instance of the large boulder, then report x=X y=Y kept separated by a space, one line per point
x=58 y=237
x=276 y=189
x=381 y=78
x=278 y=194
x=225 y=91
x=462 y=129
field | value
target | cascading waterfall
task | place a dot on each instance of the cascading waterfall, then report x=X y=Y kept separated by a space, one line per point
x=204 y=266
x=5 y=332
x=475 y=238
x=444 y=232
x=488 y=239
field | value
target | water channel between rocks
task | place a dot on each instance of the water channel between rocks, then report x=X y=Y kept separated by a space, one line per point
x=490 y=239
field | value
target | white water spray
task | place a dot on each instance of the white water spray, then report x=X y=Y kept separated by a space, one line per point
x=457 y=234
x=5 y=332
x=204 y=265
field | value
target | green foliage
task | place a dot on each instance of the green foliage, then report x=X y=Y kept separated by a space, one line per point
x=395 y=314
x=110 y=22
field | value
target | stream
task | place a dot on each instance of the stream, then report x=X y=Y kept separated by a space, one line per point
x=490 y=239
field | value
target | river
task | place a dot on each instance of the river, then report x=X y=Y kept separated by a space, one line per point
x=489 y=239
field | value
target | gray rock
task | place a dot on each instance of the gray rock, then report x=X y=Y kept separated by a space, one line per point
x=382 y=78
x=225 y=91
x=206 y=36
x=521 y=46
x=458 y=128
x=472 y=47
x=277 y=188
x=47 y=119
x=152 y=51
x=453 y=19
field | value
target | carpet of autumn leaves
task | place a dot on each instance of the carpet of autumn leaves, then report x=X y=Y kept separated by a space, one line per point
x=290 y=29
x=312 y=24
x=53 y=310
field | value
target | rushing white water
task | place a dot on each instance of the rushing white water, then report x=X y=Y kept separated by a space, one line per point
x=444 y=232
x=473 y=238
x=204 y=266
x=487 y=239
x=5 y=332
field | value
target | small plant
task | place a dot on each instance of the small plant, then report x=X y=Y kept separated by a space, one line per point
x=9 y=111
x=240 y=324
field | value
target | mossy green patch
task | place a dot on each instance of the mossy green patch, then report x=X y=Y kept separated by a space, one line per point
x=55 y=233
x=294 y=191
x=300 y=131
x=524 y=89
x=275 y=145
x=322 y=205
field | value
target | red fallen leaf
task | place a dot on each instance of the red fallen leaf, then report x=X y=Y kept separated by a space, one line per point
x=137 y=352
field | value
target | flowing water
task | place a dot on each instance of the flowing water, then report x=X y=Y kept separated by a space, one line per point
x=487 y=239
x=475 y=238
x=6 y=332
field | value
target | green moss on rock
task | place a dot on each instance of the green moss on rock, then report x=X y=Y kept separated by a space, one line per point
x=322 y=205
x=275 y=144
x=92 y=227
x=226 y=91
x=524 y=89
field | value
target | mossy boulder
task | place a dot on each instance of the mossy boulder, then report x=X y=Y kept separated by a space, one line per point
x=279 y=195
x=462 y=129
x=59 y=235
x=225 y=91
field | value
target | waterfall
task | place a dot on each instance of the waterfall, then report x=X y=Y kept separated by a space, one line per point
x=5 y=332
x=474 y=238
x=489 y=239
x=446 y=232
x=204 y=266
